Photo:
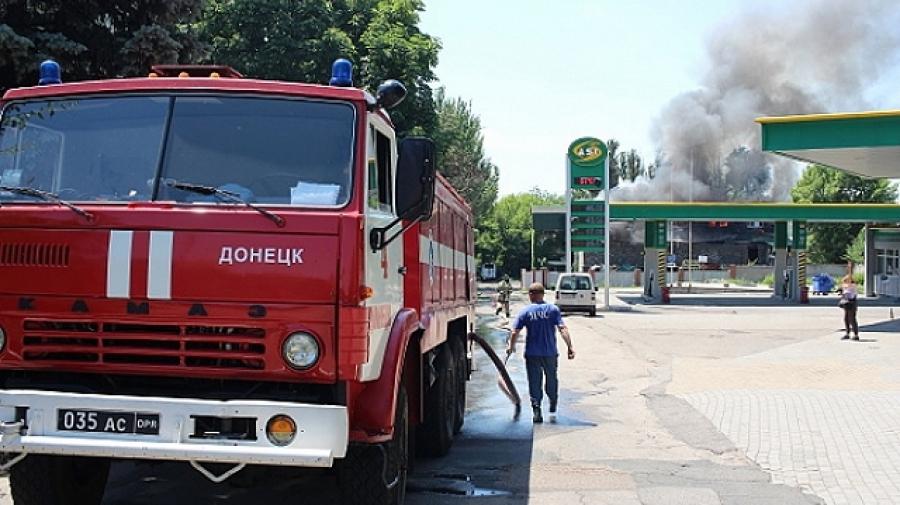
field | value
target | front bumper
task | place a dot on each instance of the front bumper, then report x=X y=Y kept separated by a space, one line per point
x=576 y=307
x=322 y=430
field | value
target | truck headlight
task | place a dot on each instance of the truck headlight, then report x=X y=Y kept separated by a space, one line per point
x=2 y=339
x=300 y=350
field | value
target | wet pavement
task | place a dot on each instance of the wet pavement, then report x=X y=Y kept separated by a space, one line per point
x=494 y=445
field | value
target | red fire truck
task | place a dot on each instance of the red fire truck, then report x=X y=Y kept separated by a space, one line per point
x=222 y=271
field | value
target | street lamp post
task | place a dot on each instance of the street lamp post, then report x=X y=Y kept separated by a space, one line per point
x=606 y=235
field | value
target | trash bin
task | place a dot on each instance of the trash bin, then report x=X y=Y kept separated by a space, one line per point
x=822 y=284
x=665 y=294
x=804 y=294
x=827 y=284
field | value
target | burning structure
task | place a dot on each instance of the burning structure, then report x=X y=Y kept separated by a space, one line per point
x=819 y=56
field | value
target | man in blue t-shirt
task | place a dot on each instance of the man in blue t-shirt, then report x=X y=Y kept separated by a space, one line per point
x=541 y=320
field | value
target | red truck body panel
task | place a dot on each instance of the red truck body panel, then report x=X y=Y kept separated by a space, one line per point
x=442 y=287
x=221 y=320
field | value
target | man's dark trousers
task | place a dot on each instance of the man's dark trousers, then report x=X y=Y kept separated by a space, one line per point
x=539 y=367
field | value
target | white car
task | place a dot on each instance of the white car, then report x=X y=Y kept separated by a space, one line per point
x=576 y=293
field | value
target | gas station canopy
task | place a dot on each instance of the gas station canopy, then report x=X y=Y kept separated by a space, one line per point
x=553 y=218
x=863 y=143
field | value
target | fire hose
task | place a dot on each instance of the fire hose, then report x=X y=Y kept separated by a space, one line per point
x=504 y=382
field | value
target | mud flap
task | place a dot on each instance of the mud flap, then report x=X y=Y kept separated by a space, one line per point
x=504 y=381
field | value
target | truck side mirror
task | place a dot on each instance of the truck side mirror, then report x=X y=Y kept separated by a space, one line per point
x=416 y=175
x=415 y=178
x=390 y=94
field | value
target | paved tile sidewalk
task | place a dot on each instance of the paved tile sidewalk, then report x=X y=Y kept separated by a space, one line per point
x=843 y=446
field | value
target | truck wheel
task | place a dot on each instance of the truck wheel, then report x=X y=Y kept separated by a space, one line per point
x=376 y=474
x=436 y=432
x=594 y=313
x=461 y=368
x=58 y=480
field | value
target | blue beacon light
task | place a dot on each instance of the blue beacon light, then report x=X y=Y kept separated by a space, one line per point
x=50 y=73
x=341 y=73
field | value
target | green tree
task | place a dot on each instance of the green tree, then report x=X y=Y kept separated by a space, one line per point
x=828 y=242
x=856 y=250
x=627 y=165
x=93 y=40
x=395 y=48
x=504 y=237
x=630 y=165
x=653 y=168
x=298 y=41
x=742 y=178
x=276 y=39
x=615 y=170
x=461 y=157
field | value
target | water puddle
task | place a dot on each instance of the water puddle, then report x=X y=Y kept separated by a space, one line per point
x=450 y=484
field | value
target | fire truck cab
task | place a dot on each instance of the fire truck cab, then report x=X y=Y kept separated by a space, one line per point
x=203 y=268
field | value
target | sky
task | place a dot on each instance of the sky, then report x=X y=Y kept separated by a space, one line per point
x=540 y=74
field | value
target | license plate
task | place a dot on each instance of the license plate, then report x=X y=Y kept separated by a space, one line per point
x=567 y=295
x=101 y=421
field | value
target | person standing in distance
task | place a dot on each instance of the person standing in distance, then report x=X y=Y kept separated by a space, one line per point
x=541 y=320
x=849 y=295
x=504 y=291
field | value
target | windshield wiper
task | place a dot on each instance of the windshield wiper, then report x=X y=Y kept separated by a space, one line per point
x=47 y=197
x=230 y=196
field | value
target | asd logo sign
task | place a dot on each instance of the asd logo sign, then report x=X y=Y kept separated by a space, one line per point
x=587 y=152
x=587 y=162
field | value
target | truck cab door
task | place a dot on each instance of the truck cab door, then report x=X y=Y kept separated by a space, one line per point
x=383 y=267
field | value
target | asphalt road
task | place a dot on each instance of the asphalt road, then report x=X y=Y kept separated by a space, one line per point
x=743 y=402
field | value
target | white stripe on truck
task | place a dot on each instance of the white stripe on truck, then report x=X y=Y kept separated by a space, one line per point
x=444 y=256
x=118 y=264
x=159 y=271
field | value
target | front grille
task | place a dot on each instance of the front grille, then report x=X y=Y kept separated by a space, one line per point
x=164 y=345
x=34 y=255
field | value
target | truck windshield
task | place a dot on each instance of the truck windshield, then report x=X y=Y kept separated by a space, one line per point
x=267 y=151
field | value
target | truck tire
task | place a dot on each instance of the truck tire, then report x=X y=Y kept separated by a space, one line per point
x=376 y=474
x=436 y=431
x=58 y=480
x=461 y=368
